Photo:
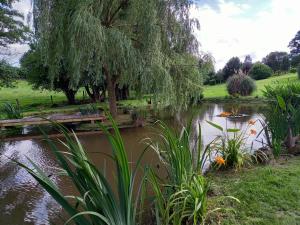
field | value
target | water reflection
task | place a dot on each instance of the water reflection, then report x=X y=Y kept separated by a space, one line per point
x=22 y=201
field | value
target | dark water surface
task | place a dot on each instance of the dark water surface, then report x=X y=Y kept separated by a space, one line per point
x=22 y=201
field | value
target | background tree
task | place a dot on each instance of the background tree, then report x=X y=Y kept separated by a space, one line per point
x=247 y=64
x=232 y=67
x=295 y=61
x=12 y=28
x=8 y=74
x=278 y=61
x=37 y=74
x=294 y=45
x=142 y=44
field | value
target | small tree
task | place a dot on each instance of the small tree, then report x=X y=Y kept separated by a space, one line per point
x=232 y=67
x=260 y=71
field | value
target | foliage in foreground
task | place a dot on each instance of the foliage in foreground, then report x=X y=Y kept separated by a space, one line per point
x=182 y=197
x=283 y=113
x=11 y=111
x=240 y=84
x=230 y=147
x=97 y=203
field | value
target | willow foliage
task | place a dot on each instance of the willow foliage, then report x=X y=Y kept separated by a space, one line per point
x=146 y=45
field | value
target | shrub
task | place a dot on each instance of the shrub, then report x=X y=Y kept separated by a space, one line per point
x=260 y=71
x=11 y=111
x=283 y=112
x=293 y=70
x=240 y=84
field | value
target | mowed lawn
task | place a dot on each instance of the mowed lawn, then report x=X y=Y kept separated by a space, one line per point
x=219 y=91
x=269 y=195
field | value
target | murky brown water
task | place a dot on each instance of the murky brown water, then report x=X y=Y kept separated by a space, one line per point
x=22 y=201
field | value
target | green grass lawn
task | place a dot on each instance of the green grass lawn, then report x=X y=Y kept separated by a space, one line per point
x=267 y=194
x=219 y=91
x=39 y=101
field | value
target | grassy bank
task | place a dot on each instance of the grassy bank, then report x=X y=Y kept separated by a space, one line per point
x=268 y=194
x=219 y=91
x=39 y=101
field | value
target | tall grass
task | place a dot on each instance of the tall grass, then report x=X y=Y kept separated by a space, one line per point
x=181 y=197
x=11 y=111
x=97 y=203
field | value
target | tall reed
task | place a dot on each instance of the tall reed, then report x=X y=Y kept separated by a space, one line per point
x=181 y=197
x=97 y=203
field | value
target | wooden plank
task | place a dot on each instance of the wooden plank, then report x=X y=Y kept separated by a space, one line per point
x=58 y=119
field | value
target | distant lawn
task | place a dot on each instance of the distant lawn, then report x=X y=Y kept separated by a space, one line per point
x=39 y=101
x=218 y=91
x=269 y=195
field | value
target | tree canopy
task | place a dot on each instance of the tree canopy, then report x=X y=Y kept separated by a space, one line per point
x=8 y=74
x=232 y=67
x=294 y=44
x=144 y=44
x=278 y=61
x=12 y=28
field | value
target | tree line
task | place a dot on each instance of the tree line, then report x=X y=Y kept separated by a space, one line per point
x=275 y=62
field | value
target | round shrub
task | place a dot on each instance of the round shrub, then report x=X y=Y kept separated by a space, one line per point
x=240 y=84
x=260 y=71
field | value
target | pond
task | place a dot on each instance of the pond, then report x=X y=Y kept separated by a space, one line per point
x=22 y=201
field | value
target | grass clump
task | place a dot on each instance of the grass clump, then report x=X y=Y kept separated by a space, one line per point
x=240 y=84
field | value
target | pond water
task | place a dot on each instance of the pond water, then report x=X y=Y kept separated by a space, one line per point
x=22 y=201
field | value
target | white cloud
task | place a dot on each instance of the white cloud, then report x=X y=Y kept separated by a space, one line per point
x=233 y=31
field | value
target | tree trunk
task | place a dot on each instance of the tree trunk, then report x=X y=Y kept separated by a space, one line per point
x=111 y=85
x=70 y=94
x=122 y=93
x=291 y=140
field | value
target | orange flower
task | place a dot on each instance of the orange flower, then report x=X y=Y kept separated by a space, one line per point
x=219 y=160
x=225 y=114
x=251 y=122
x=252 y=132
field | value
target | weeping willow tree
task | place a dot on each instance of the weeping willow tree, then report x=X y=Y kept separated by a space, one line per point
x=145 y=45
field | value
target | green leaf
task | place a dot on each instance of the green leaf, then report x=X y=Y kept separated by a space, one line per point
x=281 y=102
x=215 y=125
x=233 y=130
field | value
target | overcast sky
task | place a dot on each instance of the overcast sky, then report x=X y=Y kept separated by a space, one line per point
x=231 y=27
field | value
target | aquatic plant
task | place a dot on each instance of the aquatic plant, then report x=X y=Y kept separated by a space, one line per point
x=283 y=112
x=182 y=197
x=230 y=146
x=96 y=203
x=11 y=111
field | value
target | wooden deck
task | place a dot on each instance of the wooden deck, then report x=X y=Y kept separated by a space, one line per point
x=56 y=118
